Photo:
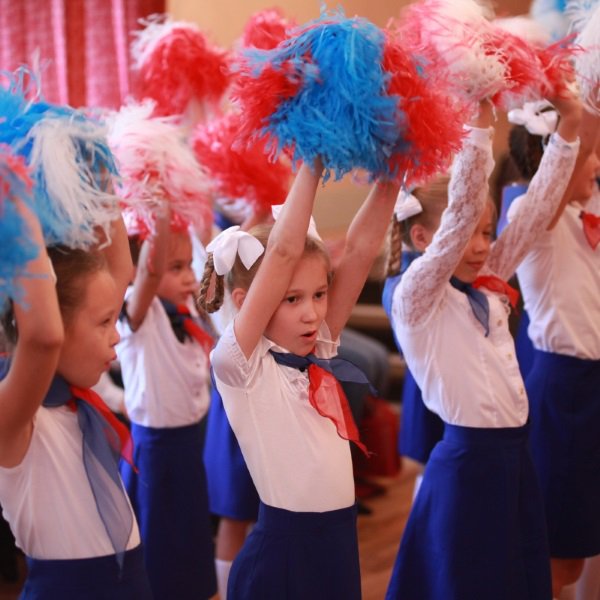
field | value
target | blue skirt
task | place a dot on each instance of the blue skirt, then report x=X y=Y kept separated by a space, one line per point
x=297 y=556
x=477 y=528
x=564 y=398
x=169 y=499
x=420 y=429
x=87 y=579
x=231 y=491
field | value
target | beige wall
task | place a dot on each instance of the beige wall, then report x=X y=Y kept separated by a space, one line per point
x=224 y=21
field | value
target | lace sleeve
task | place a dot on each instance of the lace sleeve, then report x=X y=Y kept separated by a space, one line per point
x=535 y=212
x=422 y=285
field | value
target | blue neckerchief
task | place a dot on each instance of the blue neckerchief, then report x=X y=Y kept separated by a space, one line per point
x=391 y=283
x=343 y=370
x=478 y=301
x=100 y=458
x=176 y=319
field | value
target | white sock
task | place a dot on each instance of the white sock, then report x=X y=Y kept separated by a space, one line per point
x=418 y=481
x=568 y=592
x=223 y=567
x=588 y=585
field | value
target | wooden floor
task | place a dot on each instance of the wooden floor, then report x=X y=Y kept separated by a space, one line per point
x=378 y=533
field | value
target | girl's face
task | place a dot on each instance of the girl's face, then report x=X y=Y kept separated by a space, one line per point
x=478 y=248
x=295 y=323
x=90 y=333
x=586 y=182
x=179 y=280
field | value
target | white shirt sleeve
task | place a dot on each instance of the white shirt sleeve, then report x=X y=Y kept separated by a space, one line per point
x=533 y=213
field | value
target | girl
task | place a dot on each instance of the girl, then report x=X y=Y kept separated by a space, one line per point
x=164 y=354
x=414 y=215
x=304 y=544
x=476 y=529
x=560 y=280
x=59 y=484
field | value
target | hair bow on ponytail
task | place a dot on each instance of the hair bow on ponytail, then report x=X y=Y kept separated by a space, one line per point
x=534 y=118
x=312 y=226
x=230 y=243
x=406 y=206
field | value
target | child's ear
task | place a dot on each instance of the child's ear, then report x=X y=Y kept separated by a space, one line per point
x=238 y=295
x=419 y=236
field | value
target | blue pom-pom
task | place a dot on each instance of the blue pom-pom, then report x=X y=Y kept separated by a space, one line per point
x=341 y=112
x=69 y=160
x=16 y=246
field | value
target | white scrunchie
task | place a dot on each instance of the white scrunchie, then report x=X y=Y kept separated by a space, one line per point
x=533 y=119
x=312 y=226
x=230 y=243
x=406 y=206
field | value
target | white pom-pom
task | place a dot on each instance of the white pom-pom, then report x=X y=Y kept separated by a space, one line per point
x=549 y=15
x=579 y=13
x=156 y=164
x=525 y=27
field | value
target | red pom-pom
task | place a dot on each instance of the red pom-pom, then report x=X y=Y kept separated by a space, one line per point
x=261 y=96
x=525 y=78
x=237 y=171
x=557 y=63
x=265 y=29
x=433 y=117
x=177 y=64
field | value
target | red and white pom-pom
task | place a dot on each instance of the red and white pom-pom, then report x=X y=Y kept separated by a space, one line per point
x=525 y=76
x=157 y=165
x=454 y=33
x=177 y=65
x=265 y=29
x=587 y=62
x=433 y=114
x=240 y=171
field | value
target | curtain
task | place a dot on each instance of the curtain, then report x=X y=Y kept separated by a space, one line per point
x=83 y=46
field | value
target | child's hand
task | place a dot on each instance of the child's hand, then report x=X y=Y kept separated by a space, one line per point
x=569 y=107
x=485 y=116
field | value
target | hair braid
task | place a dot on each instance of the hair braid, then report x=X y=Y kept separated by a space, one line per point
x=395 y=248
x=201 y=300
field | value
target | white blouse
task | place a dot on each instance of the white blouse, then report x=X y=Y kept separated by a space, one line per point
x=467 y=378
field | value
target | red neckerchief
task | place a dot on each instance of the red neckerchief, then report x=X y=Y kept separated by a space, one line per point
x=195 y=331
x=95 y=401
x=495 y=284
x=591 y=228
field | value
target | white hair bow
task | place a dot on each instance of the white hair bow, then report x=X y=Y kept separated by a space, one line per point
x=312 y=226
x=230 y=243
x=406 y=206
x=533 y=119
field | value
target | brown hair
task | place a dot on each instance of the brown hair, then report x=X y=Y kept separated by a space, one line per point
x=240 y=277
x=526 y=151
x=434 y=200
x=73 y=269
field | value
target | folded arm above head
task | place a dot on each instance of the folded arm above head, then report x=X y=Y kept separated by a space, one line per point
x=36 y=353
x=423 y=283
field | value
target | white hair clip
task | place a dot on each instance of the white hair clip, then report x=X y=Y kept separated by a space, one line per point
x=406 y=206
x=533 y=119
x=230 y=243
x=312 y=226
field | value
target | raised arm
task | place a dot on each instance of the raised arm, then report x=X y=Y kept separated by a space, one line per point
x=152 y=264
x=545 y=196
x=35 y=356
x=423 y=284
x=284 y=249
x=362 y=244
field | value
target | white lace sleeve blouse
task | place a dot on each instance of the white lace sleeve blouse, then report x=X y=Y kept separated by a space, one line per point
x=468 y=378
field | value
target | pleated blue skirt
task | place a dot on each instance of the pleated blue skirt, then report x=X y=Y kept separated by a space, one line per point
x=88 y=579
x=298 y=556
x=231 y=491
x=564 y=398
x=421 y=429
x=477 y=527
x=169 y=498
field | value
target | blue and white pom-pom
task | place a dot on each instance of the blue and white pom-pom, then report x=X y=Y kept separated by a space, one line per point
x=70 y=165
x=16 y=246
